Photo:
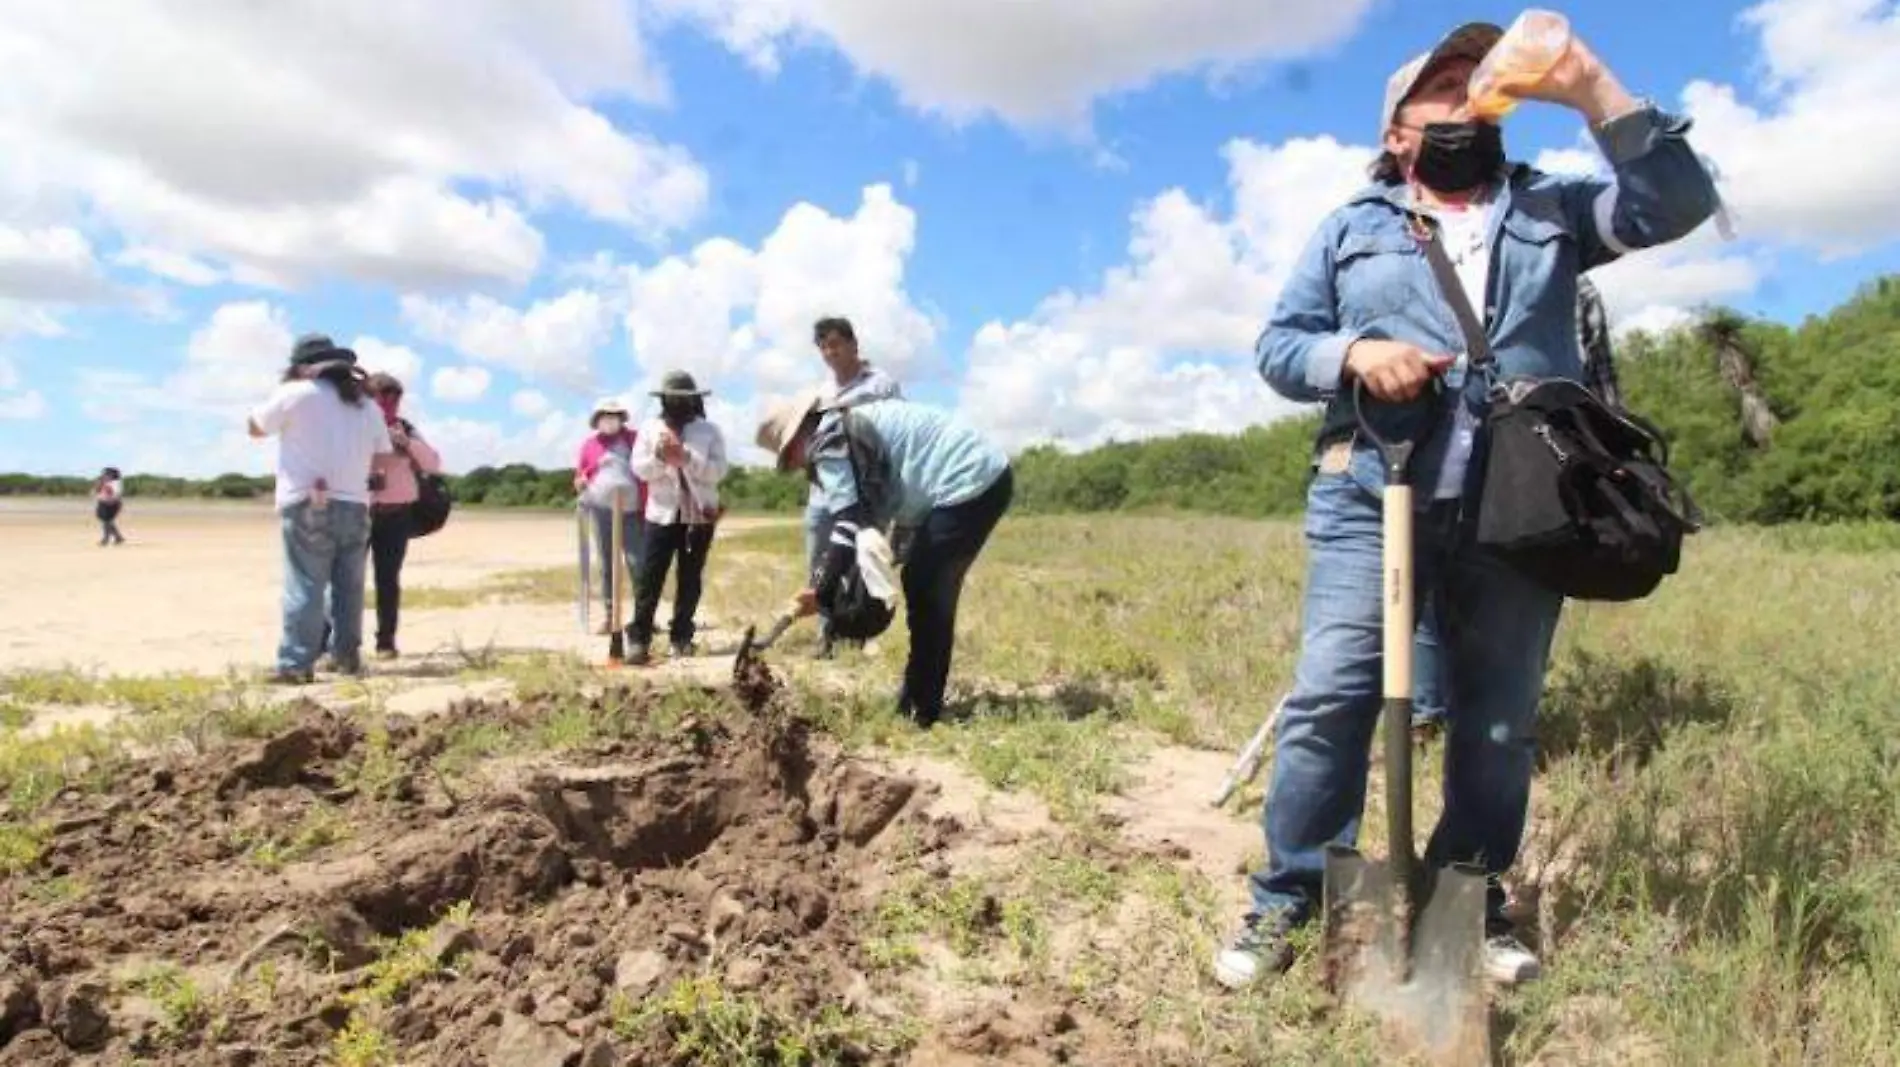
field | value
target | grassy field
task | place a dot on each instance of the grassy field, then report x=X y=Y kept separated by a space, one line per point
x=1713 y=860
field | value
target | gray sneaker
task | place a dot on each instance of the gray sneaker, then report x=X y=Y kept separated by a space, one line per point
x=1506 y=961
x=1264 y=946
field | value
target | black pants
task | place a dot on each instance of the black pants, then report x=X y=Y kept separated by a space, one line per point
x=940 y=556
x=108 y=515
x=658 y=545
x=388 y=546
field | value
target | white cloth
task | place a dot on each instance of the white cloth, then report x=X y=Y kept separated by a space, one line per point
x=321 y=437
x=876 y=565
x=703 y=469
x=615 y=472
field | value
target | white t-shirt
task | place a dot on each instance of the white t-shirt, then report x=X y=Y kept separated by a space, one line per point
x=1466 y=236
x=322 y=438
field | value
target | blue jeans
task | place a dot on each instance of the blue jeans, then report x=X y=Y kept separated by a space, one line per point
x=324 y=555
x=1494 y=631
x=631 y=525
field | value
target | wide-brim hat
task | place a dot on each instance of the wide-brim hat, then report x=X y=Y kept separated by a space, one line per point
x=318 y=348
x=679 y=383
x=1473 y=41
x=607 y=405
x=780 y=426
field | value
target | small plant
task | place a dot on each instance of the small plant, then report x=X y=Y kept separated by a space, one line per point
x=701 y=1023
x=183 y=1007
x=361 y=1043
x=20 y=847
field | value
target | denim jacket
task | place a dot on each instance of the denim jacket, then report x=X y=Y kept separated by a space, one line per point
x=1363 y=275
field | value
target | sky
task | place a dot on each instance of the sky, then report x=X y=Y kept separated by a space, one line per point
x=1068 y=221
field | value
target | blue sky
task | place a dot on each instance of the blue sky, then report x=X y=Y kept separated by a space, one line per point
x=1069 y=226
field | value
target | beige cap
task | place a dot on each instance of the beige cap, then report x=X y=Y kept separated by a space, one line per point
x=782 y=420
x=1471 y=41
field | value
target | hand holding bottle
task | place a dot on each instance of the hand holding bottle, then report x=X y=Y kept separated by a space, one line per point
x=1540 y=58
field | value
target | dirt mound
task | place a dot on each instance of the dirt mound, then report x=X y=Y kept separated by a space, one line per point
x=350 y=893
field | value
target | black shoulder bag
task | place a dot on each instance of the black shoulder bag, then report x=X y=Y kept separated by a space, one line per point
x=1575 y=495
x=852 y=612
x=430 y=510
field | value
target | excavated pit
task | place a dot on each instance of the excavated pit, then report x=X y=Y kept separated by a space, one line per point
x=730 y=845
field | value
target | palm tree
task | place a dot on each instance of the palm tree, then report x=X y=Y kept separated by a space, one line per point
x=1722 y=331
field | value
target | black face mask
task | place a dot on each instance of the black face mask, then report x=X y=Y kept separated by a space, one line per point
x=1456 y=156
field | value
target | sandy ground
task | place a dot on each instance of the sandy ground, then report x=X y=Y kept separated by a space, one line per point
x=196 y=588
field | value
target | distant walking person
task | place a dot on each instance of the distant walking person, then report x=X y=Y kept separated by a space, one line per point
x=682 y=458
x=392 y=501
x=605 y=465
x=108 y=498
x=328 y=440
x=853 y=381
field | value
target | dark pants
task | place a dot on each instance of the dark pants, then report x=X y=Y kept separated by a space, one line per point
x=940 y=556
x=108 y=515
x=658 y=545
x=388 y=547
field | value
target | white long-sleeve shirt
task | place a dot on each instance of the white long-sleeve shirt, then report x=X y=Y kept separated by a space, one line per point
x=702 y=470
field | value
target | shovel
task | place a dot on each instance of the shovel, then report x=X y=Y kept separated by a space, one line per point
x=750 y=644
x=1400 y=944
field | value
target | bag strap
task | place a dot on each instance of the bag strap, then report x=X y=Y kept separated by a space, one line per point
x=1477 y=346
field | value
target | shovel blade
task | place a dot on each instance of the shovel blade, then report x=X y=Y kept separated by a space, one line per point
x=1422 y=979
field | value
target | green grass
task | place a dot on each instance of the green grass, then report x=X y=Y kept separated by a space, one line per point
x=1716 y=834
x=1713 y=852
x=143 y=695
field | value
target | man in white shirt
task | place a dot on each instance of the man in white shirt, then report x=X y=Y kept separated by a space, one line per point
x=329 y=434
x=853 y=381
x=681 y=456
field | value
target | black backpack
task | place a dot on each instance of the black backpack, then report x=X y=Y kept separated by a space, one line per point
x=1575 y=495
x=430 y=510
x=852 y=612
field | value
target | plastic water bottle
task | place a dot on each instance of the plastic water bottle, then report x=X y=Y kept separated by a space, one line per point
x=1527 y=52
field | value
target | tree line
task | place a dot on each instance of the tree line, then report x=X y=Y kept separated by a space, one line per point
x=1767 y=423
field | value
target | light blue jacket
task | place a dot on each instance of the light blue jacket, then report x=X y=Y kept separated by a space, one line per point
x=933 y=460
x=1363 y=275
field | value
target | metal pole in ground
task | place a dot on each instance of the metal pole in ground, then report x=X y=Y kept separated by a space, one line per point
x=617 y=642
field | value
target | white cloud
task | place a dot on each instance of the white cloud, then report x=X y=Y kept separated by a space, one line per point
x=459 y=385
x=20 y=407
x=549 y=442
x=375 y=355
x=1029 y=63
x=740 y=319
x=18 y=317
x=51 y=265
x=553 y=341
x=401 y=143
x=16 y=404
x=234 y=360
x=1661 y=288
x=530 y=403
x=172 y=266
x=1813 y=163
x=1165 y=344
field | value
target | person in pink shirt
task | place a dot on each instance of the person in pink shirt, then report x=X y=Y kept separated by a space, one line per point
x=392 y=480
x=605 y=464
